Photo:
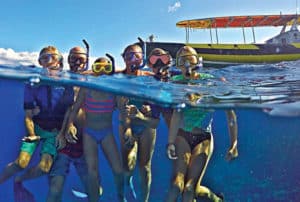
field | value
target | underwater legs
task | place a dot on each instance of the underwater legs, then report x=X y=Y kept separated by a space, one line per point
x=145 y=153
x=91 y=156
x=110 y=149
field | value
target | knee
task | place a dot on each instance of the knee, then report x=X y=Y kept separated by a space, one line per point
x=201 y=192
x=178 y=182
x=190 y=186
x=22 y=161
x=45 y=165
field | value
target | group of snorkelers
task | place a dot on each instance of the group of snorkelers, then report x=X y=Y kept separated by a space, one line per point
x=70 y=123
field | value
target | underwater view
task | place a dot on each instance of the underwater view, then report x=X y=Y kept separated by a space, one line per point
x=150 y=101
x=265 y=99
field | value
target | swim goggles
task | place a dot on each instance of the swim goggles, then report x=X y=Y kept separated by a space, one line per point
x=164 y=58
x=133 y=56
x=187 y=60
x=50 y=57
x=105 y=67
x=78 y=57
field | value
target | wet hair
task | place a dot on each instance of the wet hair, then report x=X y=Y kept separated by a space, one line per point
x=184 y=50
x=49 y=49
x=130 y=47
x=102 y=59
x=158 y=51
x=52 y=49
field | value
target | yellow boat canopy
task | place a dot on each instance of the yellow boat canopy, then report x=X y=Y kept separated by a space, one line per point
x=239 y=21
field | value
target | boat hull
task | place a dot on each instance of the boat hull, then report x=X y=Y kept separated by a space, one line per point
x=233 y=54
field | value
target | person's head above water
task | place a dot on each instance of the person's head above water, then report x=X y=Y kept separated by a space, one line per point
x=133 y=57
x=51 y=58
x=187 y=61
x=77 y=59
x=103 y=66
x=159 y=61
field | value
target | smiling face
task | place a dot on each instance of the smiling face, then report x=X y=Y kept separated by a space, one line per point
x=77 y=59
x=50 y=58
x=133 y=56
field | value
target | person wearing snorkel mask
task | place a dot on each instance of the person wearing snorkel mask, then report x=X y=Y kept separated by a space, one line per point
x=137 y=129
x=45 y=107
x=160 y=62
x=98 y=108
x=77 y=59
x=190 y=140
x=70 y=150
x=133 y=56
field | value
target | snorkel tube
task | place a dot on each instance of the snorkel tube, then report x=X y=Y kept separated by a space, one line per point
x=143 y=45
x=87 y=46
x=112 y=59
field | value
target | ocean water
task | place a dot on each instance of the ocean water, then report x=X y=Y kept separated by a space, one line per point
x=265 y=98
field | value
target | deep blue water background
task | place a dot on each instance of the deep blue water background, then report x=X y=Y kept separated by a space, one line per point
x=267 y=168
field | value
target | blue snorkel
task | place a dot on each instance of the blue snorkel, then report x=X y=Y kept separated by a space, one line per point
x=87 y=54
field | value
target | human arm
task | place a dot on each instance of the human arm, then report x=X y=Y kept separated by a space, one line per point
x=144 y=116
x=233 y=133
x=122 y=103
x=29 y=124
x=173 y=130
x=68 y=131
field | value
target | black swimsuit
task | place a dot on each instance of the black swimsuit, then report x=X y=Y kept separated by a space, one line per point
x=193 y=139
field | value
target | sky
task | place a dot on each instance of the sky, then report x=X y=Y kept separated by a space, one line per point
x=26 y=26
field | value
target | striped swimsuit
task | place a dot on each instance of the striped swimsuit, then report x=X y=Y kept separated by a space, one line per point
x=100 y=106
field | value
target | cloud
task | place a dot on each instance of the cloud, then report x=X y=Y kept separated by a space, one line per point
x=11 y=58
x=174 y=7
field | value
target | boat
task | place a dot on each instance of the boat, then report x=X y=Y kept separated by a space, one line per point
x=283 y=47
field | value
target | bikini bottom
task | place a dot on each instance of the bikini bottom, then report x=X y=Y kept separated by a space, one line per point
x=193 y=139
x=98 y=135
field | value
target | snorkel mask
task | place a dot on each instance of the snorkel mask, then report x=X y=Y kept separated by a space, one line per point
x=186 y=62
x=160 y=62
x=78 y=59
x=105 y=67
x=48 y=58
x=137 y=59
